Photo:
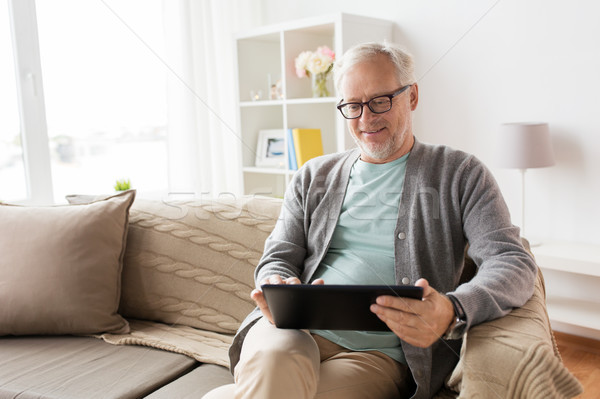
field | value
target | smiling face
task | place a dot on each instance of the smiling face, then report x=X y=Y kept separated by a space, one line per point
x=381 y=137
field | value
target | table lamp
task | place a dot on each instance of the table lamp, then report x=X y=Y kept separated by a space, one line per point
x=523 y=146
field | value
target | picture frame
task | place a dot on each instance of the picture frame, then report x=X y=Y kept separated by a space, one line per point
x=271 y=149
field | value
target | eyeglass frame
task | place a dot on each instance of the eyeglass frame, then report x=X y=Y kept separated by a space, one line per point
x=390 y=96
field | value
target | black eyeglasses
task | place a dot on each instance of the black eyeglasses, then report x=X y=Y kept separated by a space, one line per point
x=377 y=105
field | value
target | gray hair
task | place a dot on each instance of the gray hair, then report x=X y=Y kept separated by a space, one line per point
x=403 y=61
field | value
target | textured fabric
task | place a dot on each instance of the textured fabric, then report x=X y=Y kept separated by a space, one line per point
x=277 y=363
x=449 y=198
x=204 y=346
x=195 y=384
x=60 y=268
x=191 y=263
x=514 y=357
x=81 y=367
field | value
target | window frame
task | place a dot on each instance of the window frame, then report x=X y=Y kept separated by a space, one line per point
x=31 y=104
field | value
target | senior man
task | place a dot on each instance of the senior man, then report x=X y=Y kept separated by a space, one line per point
x=392 y=211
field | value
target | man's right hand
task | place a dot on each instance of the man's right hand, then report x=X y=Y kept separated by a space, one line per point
x=258 y=297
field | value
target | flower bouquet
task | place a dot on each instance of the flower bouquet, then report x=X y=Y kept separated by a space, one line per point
x=317 y=66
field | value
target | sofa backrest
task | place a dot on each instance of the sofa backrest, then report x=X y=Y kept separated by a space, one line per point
x=192 y=262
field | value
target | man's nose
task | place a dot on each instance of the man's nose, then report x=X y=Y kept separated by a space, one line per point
x=367 y=113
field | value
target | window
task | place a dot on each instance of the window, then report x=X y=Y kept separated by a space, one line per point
x=105 y=99
x=12 y=167
x=105 y=94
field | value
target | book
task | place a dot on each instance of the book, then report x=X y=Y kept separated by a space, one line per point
x=291 y=150
x=308 y=144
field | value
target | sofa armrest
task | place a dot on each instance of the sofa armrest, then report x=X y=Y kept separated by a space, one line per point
x=514 y=357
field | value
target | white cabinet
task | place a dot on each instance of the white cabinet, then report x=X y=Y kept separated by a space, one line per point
x=572 y=276
x=266 y=55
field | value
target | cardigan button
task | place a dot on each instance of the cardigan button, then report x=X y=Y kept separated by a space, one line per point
x=402 y=235
x=405 y=280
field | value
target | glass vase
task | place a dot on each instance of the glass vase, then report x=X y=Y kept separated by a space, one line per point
x=319 y=85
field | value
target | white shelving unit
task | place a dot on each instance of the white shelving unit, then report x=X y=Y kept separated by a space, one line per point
x=267 y=54
x=572 y=275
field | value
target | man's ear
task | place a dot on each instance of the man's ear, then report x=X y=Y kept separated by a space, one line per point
x=414 y=96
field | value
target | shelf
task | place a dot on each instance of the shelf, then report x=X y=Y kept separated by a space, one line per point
x=261 y=103
x=572 y=272
x=573 y=311
x=267 y=103
x=321 y=100
x=569 y=257
x=270 y=171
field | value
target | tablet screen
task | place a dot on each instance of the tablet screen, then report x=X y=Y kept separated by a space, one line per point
x=330 y=307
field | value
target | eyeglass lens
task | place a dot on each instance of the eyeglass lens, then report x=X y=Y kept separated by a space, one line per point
x=377 y=105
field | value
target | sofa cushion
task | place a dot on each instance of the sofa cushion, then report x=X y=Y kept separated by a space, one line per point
x=60 y=268
x=63 y=367
x=192 y=262
x=195 y=384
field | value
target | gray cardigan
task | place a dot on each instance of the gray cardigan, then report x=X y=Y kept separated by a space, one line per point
x=449 y=199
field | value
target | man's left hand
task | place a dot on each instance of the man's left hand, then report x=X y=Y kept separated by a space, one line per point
x=418 y=322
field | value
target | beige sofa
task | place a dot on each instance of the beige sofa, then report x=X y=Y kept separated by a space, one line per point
x=187 y=272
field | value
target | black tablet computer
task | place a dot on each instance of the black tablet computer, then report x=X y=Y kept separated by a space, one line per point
x=330 y=307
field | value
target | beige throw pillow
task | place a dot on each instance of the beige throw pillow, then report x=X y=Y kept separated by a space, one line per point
x=60 y=267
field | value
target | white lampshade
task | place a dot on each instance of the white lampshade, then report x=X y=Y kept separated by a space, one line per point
x=524 y=146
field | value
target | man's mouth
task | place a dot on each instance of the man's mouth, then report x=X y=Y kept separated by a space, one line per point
x=372 y=131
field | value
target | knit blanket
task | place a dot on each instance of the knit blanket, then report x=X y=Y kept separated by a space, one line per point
x=204 y=346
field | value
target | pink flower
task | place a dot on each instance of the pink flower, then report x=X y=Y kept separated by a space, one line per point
x=326 y=51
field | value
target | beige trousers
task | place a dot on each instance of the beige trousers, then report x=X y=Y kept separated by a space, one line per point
x=290 y=364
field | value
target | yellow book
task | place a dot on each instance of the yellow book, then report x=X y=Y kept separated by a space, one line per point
x=308 y=144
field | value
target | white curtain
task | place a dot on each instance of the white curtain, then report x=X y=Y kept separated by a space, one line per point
x=204 y=141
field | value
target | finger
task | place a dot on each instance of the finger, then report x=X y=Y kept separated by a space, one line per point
x=415 y=306
x=259 y=298
x=403 y=324
x=398 y=303
x=406 y=326
x=275 y=279
x=427 y=289
x=416 y=329
x=292 y=280
x=393 y=316
x=318 y=281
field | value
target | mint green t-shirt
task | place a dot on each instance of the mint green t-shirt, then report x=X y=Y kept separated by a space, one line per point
x=362 y=246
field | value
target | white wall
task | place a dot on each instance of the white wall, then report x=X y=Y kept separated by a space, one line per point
x=480 y=64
